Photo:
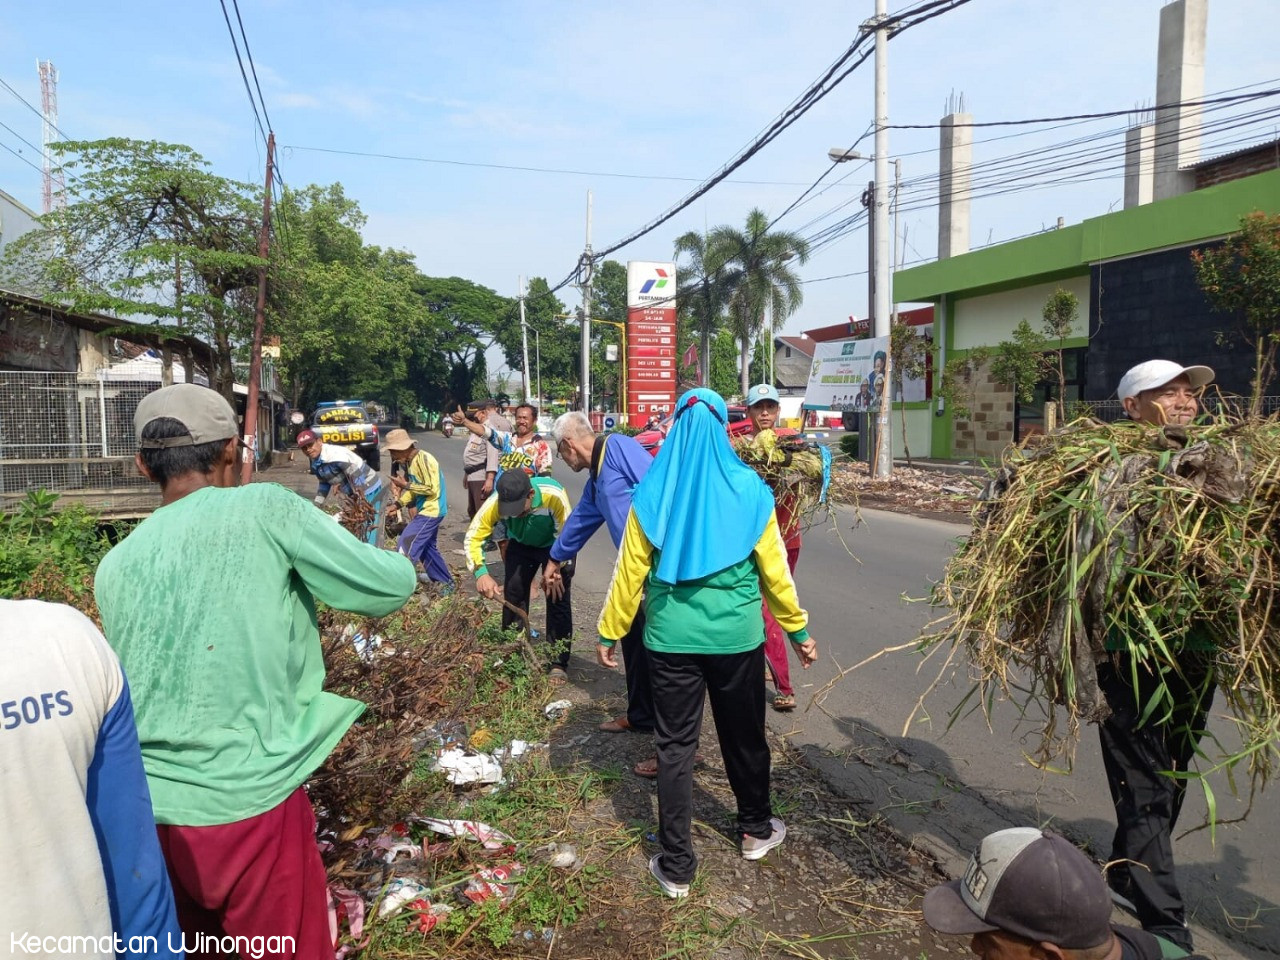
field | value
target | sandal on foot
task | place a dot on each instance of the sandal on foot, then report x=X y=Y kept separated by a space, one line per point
x=557 y=675
x=784 y=702
x=647 y=768
x=619 y=724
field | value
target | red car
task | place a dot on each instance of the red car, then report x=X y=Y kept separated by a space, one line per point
x=739 y=425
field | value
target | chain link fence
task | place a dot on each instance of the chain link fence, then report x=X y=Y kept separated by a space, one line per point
x=73 y=434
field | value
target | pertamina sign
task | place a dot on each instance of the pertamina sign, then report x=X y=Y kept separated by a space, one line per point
x=651 y=340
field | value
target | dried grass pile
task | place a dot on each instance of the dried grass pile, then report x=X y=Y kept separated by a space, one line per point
x=796 y=470
x=1132 y=533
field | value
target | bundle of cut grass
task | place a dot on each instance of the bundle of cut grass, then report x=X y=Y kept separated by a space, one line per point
x=1134 y=538
x=796 y=470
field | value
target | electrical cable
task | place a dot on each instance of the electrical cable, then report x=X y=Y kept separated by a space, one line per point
x=526 y=169
x=244 y=76
x=32 y=108
x=252 y=68
x=1091 y=116
x=803 y=104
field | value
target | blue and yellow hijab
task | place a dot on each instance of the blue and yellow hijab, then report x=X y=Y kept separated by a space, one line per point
x=699 y=504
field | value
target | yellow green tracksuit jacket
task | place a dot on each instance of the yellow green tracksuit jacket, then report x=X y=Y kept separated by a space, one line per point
x=537 y=528
x=719 y=613
x=424 y=491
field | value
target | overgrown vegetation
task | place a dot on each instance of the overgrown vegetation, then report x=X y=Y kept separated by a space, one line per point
x=50 y=553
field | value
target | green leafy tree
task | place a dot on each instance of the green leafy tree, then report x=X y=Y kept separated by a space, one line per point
x=151 y=235
x=463 y=320
x=909 y=360
x=759 y=278
x=724 y=364
x=1018 y=363
x=346 y=314
x=702 y=291
x=1061 y=313
x=609 y=304
x=1242 y=276
x=759 y=364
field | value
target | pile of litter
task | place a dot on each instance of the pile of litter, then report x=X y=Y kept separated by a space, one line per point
x=906 y=489
x=1159 y=540
x=435 y=679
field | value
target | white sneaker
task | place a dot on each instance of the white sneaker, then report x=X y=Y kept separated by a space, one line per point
x=753 y=848
x=672 y=889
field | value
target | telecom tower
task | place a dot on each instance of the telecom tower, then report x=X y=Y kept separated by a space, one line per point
x=55 y=184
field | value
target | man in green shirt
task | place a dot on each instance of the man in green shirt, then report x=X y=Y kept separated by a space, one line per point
x=210 y=605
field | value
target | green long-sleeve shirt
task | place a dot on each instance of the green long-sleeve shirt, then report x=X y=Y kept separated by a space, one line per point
x=210 y=605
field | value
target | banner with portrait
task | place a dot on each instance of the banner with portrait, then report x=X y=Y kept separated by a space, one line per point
x=850 y=375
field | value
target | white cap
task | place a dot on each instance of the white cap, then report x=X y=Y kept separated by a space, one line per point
x=1156 y=373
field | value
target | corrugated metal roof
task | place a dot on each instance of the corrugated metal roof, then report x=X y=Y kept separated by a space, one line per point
x=1273 y=143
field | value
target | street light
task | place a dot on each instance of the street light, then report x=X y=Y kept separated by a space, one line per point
x=537 y=350
x=840 y=155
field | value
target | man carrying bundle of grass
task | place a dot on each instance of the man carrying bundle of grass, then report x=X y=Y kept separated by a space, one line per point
x=1140 y=750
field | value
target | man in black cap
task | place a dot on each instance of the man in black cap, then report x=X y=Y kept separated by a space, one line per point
x=1030 y=895
x=534 y=510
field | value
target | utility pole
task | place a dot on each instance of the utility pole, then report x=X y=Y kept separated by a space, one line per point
x=524 y=341
x=897 y=258
x=586 y=268
x=880 y=214
x=259 y=317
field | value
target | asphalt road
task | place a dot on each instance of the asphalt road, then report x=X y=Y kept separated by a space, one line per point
x=948 y=788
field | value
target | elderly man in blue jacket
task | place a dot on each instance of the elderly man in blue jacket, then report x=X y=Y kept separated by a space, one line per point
x=615 y=464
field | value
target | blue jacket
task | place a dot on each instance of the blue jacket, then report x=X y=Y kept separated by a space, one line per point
x=618 y=463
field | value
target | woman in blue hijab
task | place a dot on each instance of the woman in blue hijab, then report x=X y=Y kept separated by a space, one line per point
x=701 y=543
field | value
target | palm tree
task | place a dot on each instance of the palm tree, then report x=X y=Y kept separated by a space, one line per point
x=757 y=276
x=702 y=289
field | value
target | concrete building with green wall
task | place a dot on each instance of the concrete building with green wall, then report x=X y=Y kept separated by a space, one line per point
x=1132 y=273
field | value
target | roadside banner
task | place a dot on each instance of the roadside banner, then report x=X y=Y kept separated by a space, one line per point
x=849 y=375
x=651 y=340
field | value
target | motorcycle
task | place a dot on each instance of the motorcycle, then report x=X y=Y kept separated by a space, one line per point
x=447 y=428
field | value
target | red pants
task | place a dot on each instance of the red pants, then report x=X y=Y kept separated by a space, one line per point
x=260 y=877
x=775 y=640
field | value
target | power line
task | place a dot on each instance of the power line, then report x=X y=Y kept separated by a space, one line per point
x=1092 y=116
x=31 y=107
x=526 y=169
x=240 y=62
x=1014 y=173
x=252 y=69
x=803 y=104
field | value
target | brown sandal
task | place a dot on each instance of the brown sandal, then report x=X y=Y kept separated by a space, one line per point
x=783 y=702
x=619 y=724
x=647 y=768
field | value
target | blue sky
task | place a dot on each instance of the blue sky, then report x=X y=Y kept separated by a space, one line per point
x=657 y=90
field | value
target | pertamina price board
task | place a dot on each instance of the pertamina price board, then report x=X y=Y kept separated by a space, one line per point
x=651 y=340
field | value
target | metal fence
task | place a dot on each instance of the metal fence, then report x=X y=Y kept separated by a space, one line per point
x=73 y=433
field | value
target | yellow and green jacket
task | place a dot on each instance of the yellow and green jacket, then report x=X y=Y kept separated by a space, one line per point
x=425 y=491
x=719 y=613
x=537 y=528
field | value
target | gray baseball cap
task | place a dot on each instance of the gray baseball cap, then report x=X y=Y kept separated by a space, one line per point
x=1030 y=883
x=204 y=412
